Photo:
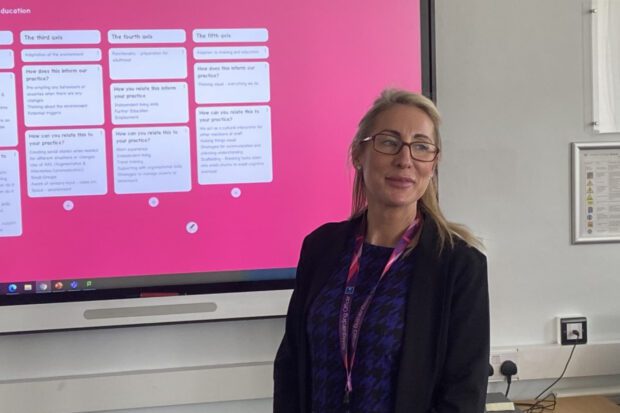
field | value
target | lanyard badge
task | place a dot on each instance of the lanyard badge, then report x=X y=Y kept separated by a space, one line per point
x=346 y=333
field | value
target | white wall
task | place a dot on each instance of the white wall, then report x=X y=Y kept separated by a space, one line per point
x=514 y=95
x=513 y=86
x=122 y=368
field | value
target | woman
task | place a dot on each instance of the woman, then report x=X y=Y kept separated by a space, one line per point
x=390 y=309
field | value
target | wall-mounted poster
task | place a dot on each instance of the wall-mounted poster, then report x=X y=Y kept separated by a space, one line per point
x=596 y=192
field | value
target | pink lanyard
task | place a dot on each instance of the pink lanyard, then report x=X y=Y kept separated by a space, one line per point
x=347 y=299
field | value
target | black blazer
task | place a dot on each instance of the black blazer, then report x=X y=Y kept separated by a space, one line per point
x=445 y=353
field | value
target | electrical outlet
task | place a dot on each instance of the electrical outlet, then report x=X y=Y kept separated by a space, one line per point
x=572 y=330
x=498 y=357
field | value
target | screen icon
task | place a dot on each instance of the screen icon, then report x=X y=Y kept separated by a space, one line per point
x=89 y=284
x=58 y=285
x=43 y=286
x=28 y=287
x=12 y=288
x=74 y=285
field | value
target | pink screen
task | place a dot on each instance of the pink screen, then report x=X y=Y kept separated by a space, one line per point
x=162 y=137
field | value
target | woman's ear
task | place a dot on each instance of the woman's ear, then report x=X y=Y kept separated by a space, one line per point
x=356 y=164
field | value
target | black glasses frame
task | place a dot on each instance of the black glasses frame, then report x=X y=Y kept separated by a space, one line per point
x=402 y=144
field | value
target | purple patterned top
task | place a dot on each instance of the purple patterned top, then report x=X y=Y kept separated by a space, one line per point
x=378 y=353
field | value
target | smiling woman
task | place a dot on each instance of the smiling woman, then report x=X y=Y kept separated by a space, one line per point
x=390 y=311
x=393 y=179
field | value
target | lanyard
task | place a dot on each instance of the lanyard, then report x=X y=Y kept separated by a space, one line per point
x=347 y=299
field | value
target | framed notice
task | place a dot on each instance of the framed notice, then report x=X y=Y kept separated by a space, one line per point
x=596 y=192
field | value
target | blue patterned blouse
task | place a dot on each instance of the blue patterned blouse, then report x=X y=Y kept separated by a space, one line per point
x=378 y=353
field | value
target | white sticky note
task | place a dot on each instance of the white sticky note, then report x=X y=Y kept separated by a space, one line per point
x=7 y=60
x=8 y=110
x=60 y=37
x=151 y=160
x=63 y=95
x=148 y=63
x=230 y=35
x=231 y=52
x=64 y=162
x=141 y=36
x=62 y=55
x=234 y=144
x=140 y=103
x=10 y=198
x=228 y=82
x=6 y=37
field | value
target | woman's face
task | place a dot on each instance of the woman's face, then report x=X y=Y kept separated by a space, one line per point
x=397 y=181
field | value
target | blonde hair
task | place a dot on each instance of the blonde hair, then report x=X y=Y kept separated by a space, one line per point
x=428 y=203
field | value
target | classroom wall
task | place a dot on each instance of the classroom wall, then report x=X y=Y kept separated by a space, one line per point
x=221 y=366
x=513 y=86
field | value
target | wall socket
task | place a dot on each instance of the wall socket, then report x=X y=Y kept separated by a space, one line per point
x=498 y=357
x=572 y=330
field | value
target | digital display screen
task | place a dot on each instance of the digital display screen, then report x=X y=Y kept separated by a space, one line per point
x=194 y=142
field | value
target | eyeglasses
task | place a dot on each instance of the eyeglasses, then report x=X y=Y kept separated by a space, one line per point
x=392 y=145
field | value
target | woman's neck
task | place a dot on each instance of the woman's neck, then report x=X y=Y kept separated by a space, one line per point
x=385 y=227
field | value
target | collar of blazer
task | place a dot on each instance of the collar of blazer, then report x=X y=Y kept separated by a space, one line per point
x=333 y=240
